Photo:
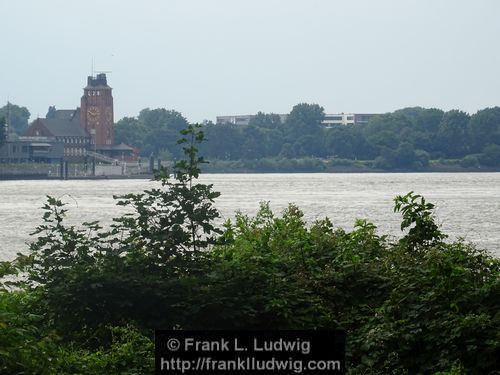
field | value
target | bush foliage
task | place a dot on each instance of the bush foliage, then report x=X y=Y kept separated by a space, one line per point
x=88 y=298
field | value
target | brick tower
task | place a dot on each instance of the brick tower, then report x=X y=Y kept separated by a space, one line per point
x=96 y=114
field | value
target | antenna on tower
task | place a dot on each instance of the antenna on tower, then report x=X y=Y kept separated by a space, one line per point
x=92 y=67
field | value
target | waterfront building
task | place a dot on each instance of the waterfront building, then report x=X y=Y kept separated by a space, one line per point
x=64 y=127
x=86 y=131
x=41 y=149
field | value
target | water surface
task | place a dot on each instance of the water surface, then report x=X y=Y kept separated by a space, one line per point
x=468 y=204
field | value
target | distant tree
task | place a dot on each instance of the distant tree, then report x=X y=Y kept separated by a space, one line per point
x=154 y=131
x=424 y=127
x=386 y=130
x=266 y=120
x=287 y=151
x=274 y=141
x=254 y=143
x=490 y=156
x=422 y=159
x=223 y=142
x=404 y=156
x=51 y=113
x=158 y=140
x=3 y=133
x=162 y=118
x=424 y=119
x=130 y=131
x=304 y=119
x=452 y=137
x=340 y=142
x=16 y=116
x=484 y=128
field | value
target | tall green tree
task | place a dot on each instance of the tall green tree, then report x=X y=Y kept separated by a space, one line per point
x=223 y=142
x=385 y=130
x=17 y=117
x=51 y=112
x=490 y=156
x=161 y=118
x=162 y=127
x=266 y=120
x=304 y=119
x=484 y=128
x=130 y=131
x=452 y=137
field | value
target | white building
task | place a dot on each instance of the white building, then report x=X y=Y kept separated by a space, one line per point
x=329 y=120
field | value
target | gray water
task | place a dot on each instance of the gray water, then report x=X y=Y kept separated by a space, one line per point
x=467 y=204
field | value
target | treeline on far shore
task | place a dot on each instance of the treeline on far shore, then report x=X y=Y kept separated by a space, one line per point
x=409 y=139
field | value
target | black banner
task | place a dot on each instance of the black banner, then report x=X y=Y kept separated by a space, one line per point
x=249 y=352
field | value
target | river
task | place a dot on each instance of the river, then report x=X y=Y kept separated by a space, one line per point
x=467 y=204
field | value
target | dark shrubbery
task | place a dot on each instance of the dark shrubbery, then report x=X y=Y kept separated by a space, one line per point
x=91 y=297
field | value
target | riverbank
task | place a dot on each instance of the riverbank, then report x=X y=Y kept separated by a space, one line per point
x=35 y=171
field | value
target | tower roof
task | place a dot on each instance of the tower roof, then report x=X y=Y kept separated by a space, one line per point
x=97 y=82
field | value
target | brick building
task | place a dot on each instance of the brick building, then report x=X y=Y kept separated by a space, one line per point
x=87 y=130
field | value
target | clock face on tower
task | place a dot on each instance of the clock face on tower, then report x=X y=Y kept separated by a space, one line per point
x=93 y=114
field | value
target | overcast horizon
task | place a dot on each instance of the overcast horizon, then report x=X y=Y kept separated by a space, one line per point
x=209 y=58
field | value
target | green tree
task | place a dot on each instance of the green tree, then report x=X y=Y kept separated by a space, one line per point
x=339 y=142
x=490 y=156
x=404 y=156
x=418 y=218
x=3 y=133
x=484 y=128
x=304 y=119
x=162 y=118
x=266 y=120
x=51 y=112
x=223 y=142
x=385 y=130
x=452 y=135
x=130 y=131
x=161 y=129
x=254 y=144
x=309 y=146
x=17 y=117
x=416 y=125
x=425 y=120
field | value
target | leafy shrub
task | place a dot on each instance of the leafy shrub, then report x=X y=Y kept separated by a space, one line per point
x=470 y=161
x=490 y=156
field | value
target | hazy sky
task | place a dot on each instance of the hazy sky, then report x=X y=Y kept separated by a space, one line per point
x=212 y=57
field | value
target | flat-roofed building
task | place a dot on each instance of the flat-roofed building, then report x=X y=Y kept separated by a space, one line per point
x=347 y=119
x=329 y=120
x=41 y=149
